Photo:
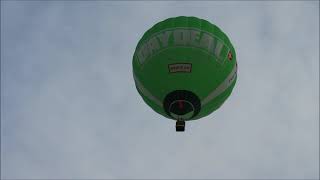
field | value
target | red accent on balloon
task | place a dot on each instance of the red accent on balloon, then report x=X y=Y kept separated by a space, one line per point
x=180 y=104
x=230 y=56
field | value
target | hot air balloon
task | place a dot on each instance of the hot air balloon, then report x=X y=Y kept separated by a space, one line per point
x=184 y=68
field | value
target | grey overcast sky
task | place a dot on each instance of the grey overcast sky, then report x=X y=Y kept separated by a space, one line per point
x=69 y=107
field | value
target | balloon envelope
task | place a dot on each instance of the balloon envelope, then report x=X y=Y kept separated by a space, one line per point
x=184 y=68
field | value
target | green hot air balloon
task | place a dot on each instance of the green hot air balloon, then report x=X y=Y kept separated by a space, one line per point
x=184 y=68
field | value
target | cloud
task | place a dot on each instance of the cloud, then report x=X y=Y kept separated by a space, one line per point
x=70 y=108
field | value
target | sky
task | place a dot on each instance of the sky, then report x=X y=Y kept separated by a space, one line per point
x=70 y=109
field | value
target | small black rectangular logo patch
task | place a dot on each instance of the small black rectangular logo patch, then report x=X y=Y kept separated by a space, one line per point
x=180 y=67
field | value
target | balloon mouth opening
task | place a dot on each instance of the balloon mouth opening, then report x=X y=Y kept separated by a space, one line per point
x=181 y=105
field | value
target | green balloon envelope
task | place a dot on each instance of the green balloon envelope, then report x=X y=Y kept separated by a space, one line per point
x=184 y=68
